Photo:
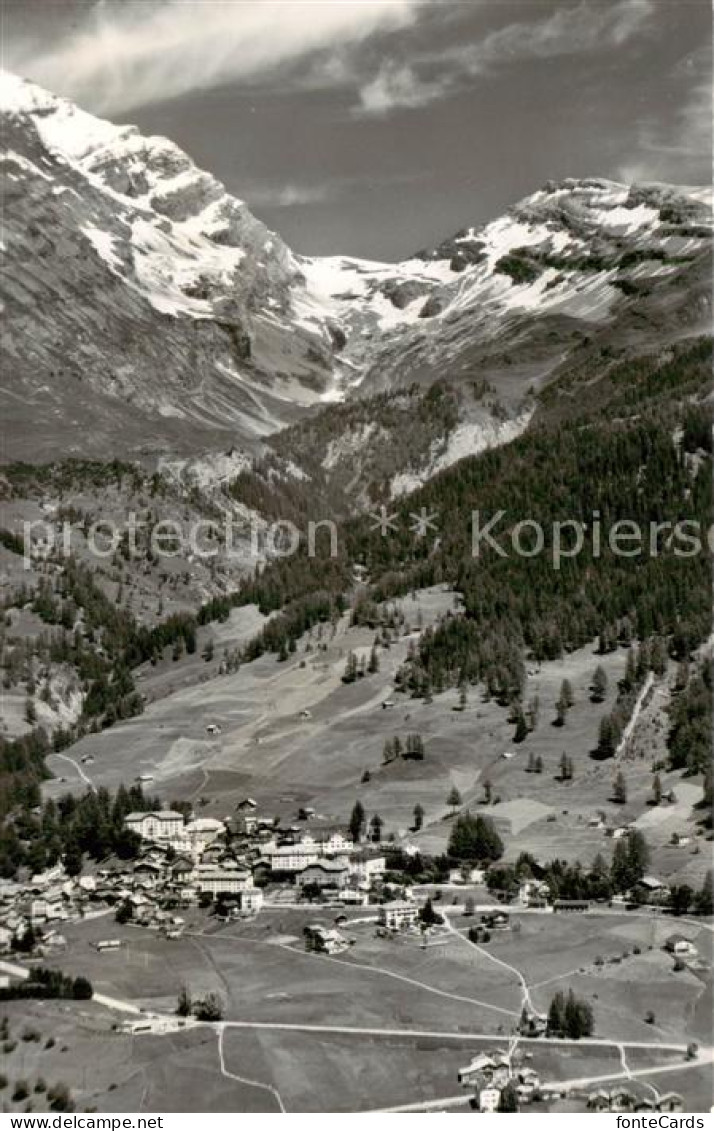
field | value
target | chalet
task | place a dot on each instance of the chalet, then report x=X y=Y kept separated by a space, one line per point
x=533 y=893
x=399 y=914
x=250 y=900
x=213 y=728
x=496 y=920
x=147 y=872
x=679 y=945
x=357 y=897
x=482 y=1063
x=324 y=873
x=162 y=825
x=489 y=1099
x=598 y=1101
x=202 y=832
x=324 y=940
x=532 y=1024
x=108 y=944
x=248 y=804
x=651 y=884
x=622 y=1099
x=333 y=844
x=367 y=868
x=670 y=1101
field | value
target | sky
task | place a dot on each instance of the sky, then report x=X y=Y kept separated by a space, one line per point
x=380 y=127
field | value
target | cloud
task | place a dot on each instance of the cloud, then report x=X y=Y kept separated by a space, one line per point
x=680 y=152
x=397 y=86
x=582 y=28
x=128 y=55
x=290 y=196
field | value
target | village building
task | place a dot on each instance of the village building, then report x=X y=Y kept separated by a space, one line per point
x=202 y=832
x=290 y=857
x=399 y=914
x=148 y=873
x=367 y=868
x=324 y=874
x=496 y=920
x=163 y=825
x=670 y=1101
x=474 y=1072
x=250 y=900
x=577 y=906
x=489 y=1099
x=532 y=1024
x=324 y=940
x=215 y=880
x=533 y=893
x=680 y=946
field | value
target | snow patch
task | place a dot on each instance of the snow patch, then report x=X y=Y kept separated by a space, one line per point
x=467 y=439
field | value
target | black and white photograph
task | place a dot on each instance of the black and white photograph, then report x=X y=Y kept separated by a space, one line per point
x=356 y=540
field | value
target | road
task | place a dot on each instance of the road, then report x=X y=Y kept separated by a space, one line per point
x=461 y=1100
x=704 y=1057
x=163 y=1023
x=242 y=1079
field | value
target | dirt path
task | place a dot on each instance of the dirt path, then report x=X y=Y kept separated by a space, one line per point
x=243 y=1079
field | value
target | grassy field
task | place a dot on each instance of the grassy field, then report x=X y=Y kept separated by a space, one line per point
x=269 y=750
x=110 y=1070
x=385 y=987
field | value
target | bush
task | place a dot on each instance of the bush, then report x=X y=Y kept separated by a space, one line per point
x=21 y=1092
x=3 y=1081
x=210 y=1009
x=82 y=989
x=60 y=1098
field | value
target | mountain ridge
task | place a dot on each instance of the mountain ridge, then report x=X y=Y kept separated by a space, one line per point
x=170 y=314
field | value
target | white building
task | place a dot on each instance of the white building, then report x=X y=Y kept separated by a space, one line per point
x=202 y=832
x=221 y=880
x=251 y=900
x=488 y=1099
x=335 y=844
x=367 y=868
x=163 y=825
x=290 y=857
x=394 y=916
x=533 y=892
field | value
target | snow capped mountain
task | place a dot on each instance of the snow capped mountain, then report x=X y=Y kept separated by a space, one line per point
x=148 y=311
x=570 y=255
x=132 y=275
